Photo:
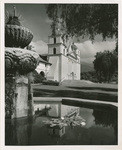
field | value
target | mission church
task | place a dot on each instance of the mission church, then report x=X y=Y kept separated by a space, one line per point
x=62 y=61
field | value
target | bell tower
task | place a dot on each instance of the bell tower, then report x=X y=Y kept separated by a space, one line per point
x=56 y=45
x=56 y=41
x=64 y=58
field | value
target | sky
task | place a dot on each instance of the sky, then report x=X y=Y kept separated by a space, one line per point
x=34 y=17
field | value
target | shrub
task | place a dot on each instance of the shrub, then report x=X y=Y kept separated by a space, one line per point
x=38 y=78
x=92 y=76
x=50 y=82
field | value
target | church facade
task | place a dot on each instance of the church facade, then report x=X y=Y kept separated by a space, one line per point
x=65 y=59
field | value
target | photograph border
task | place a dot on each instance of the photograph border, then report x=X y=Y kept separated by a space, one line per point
x=2 y=79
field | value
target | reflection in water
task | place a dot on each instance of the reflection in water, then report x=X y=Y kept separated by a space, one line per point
x=18 y=131
x=52 y=110
x=107 y=118
x=57 y=126
x=100 y=129
x=86 y=113
x=56 y=131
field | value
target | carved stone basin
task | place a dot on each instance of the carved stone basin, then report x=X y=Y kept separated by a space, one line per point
x=17 y=36
x=20 y=60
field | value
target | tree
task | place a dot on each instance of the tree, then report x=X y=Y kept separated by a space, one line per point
x=85 y=19
x=105 y=64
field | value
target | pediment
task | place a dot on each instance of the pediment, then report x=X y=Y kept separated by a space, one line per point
x=72 y=52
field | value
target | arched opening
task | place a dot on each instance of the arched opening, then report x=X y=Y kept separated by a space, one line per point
x=42 y=73
x=42 y=76
x=64 y=51
x=54 y=40
x=54 y=50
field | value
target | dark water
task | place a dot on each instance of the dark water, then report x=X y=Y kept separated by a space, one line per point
x=100 y=128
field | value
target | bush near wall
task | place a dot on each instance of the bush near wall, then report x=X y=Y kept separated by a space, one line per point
x=50 y=82
x=37 y=78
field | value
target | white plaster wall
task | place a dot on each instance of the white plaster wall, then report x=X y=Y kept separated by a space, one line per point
x=51 y=47
x=75 y=70
x=62 y=49
x=47 y=68
x=53 y=73
x=56 y=72
x=64 y=67
x=50 y=40
x=58 y=40
x=78 y=59
x=40 y=67
x=69 y=69
x=73 y=67
x=78 y=71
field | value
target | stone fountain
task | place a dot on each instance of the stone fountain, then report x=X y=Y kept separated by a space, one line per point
x=19 y=64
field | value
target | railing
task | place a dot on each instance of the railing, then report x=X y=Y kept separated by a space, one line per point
x=61 y=80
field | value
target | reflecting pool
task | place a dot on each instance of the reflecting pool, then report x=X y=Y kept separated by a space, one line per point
x=97 y=126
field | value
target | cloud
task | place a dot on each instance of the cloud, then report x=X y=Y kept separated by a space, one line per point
x=89 y=49
x=47 y=20
x=40 y=47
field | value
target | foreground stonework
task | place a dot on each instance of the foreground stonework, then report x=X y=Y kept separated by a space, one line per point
x=19 y=63
x=20 y=60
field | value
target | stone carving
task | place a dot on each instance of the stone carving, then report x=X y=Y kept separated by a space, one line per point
x=22 y=61
x=9 y=96
x=17 y=36
x=19 y=62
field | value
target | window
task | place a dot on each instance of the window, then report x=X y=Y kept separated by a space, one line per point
x=54 y=50
x=54 y=40
x=64 y=51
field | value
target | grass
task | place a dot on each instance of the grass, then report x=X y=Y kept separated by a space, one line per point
x=103 y=92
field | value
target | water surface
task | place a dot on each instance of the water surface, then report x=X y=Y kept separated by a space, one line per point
x=100 y=128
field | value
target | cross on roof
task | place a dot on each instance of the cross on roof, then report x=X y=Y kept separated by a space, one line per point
x=14 y=10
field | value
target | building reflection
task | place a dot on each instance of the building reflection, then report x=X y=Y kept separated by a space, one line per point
x=51 y=109
x=56 y=131
x=26 y=131
x=56 y=110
